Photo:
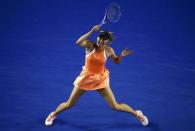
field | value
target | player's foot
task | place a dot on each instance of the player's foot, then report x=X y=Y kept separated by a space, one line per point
x=49 y=120
x=142 y=118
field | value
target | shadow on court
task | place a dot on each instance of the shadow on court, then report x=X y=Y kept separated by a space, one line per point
x=106 y=126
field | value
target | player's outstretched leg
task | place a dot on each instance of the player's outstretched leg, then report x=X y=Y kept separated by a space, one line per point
x=110 y=99
x=75 y=95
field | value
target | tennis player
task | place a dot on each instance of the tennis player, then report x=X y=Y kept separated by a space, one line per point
x=95 y=76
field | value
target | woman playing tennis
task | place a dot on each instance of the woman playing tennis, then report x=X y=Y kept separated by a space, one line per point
x=95 y=76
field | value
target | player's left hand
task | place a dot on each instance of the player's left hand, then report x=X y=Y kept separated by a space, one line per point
x=126 y=52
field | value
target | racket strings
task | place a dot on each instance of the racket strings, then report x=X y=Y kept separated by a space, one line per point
x=113 y=13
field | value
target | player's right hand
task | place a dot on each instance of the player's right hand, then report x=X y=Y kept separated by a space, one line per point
x=96 y=28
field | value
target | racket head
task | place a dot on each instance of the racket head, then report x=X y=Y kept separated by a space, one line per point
x=113 y=12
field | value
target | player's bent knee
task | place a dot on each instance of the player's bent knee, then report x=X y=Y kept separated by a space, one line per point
x=114 y=106
x=70 y=104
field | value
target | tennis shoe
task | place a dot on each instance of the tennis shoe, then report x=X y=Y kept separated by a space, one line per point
x=49 y=120
x=142 y=118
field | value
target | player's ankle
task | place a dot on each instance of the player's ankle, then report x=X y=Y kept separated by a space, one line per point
x=54 y=114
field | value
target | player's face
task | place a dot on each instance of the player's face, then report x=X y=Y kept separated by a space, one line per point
x=103 y=42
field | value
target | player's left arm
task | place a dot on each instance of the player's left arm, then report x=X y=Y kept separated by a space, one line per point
x=117 y=59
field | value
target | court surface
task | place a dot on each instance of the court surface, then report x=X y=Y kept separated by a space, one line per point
x=40 y=61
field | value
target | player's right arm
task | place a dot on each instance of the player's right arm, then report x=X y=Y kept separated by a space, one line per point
x=82 y=41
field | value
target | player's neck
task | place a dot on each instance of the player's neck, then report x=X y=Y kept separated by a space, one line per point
x=99 y=48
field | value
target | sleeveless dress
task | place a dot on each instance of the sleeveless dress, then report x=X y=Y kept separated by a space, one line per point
x=94 y=74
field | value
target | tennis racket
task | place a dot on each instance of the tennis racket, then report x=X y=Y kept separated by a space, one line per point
x=112 y=14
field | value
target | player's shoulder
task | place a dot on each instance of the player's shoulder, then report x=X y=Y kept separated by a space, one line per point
x=89 y=42
x=90 y=45
x=109 y=51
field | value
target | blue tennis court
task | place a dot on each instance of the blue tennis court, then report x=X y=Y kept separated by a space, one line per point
x=40 y=61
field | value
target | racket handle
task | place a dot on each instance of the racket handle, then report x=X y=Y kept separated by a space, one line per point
x=101 y=24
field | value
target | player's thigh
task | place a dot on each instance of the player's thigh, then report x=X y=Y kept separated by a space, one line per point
x=75 y=94
x=108 y=95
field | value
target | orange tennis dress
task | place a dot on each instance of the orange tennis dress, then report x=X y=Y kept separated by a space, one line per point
x=94 y=74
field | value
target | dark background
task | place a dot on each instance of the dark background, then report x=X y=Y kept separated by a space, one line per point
x=40 y=61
